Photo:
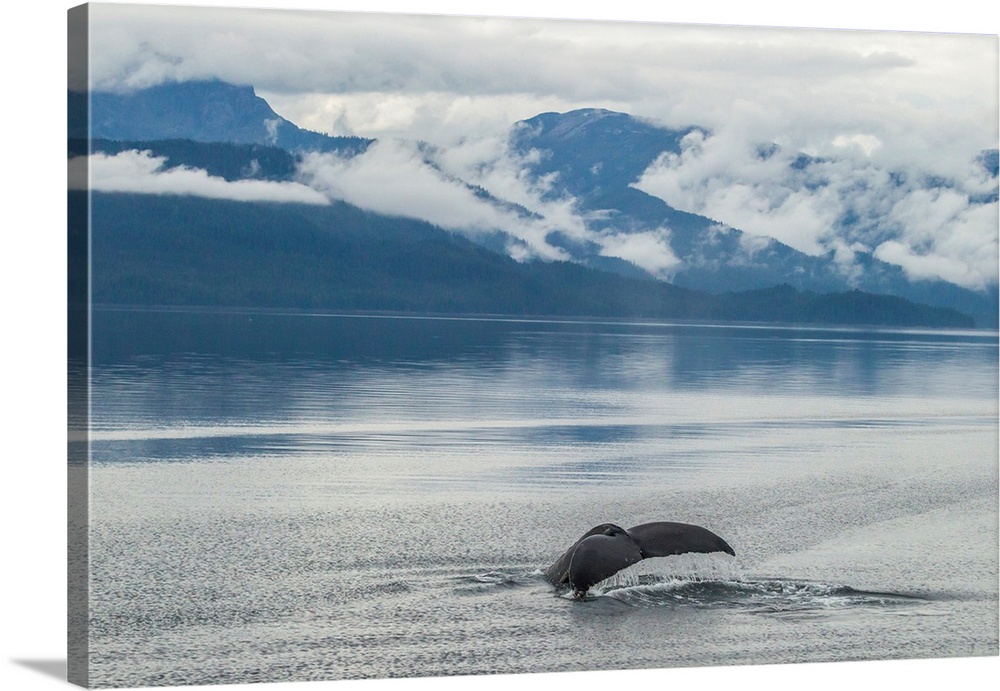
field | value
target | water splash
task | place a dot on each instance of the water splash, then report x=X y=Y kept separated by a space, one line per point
x=766 y=596
x=714 y=581
x=677 y=568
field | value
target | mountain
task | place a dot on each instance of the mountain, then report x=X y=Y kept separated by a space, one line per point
x=202 y=111
x=591 y=156
x=195 y=251
x=596 y=155
x=593 y=151
x=171 y=250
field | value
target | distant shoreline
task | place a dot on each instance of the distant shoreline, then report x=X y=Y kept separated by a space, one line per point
x=534 y=319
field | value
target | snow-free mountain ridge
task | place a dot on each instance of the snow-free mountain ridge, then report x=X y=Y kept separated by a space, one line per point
x=591 y=156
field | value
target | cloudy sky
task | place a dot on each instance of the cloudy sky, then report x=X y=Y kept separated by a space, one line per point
x=869 y=104
x=437 y=77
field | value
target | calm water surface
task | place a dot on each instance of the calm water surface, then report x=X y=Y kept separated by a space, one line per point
x=279 y=497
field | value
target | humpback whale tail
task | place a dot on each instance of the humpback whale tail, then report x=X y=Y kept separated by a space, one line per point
x=606 y=549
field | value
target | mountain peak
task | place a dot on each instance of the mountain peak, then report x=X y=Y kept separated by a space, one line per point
x=594 y=147
x=571 y=124
x=202 y=111
x=198 y=110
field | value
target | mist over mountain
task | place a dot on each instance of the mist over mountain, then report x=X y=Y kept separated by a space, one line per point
x=182 y=250
x=561 y=190
x=597 y=157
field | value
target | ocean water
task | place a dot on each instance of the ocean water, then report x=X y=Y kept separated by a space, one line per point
x=284 y=497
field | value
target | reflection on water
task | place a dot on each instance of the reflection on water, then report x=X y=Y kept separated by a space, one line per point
x=402 y=405
x=192 y=386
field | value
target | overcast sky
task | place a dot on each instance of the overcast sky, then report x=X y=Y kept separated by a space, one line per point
x=437 y=77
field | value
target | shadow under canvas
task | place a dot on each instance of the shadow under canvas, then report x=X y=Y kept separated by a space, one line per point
x=51 y=668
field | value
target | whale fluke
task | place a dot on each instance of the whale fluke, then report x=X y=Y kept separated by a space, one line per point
x=606 y=549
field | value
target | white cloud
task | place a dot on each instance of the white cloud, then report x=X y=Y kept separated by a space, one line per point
x=867 y=143
x=724 y=178
x=141 y=172
x=648 y=250
x=491 y=164
x=421 y=76
x=439 y=117
x=394 y=178
x=402 y=179
x=935 y=266
x=943 y=235
x=843 y=202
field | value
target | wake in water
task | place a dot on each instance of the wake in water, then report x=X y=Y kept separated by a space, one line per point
x=770 y=596
x=708 y=581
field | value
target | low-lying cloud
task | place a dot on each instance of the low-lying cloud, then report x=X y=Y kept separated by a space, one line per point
x=844 y=202
x=475 y=188
x=141 y=172
x=395 y=178
x=934 y=228
x=479 y=186
x=649 y=250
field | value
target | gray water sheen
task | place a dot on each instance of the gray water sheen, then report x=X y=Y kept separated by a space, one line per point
x=296 y=497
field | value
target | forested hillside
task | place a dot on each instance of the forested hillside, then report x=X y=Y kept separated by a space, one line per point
x=177 y=250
